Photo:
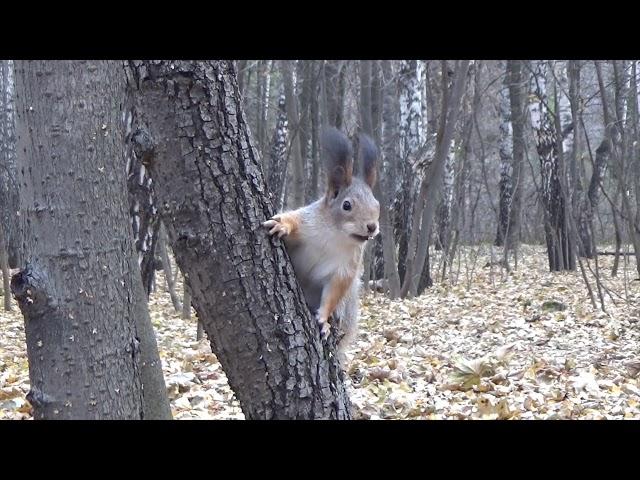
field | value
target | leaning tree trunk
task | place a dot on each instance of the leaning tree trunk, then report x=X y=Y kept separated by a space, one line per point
x=557 y=235
x=243 y=287
x=79 y=288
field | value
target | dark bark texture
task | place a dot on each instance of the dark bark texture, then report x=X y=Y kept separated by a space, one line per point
x=213 y=201
x=79 y=289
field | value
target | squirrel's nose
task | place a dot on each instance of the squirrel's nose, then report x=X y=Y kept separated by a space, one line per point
x=372 y=227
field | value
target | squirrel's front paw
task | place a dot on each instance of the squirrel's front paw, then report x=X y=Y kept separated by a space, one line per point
x=276 y=226
x=324 y=326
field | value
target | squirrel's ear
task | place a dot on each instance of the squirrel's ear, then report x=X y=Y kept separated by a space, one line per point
x=338 y=158
x=368 y=157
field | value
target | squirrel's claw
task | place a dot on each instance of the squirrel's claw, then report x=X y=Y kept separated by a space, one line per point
x=276 y=227
x=325 y=328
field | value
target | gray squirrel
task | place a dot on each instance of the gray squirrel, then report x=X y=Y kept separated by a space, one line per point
x=326 y=239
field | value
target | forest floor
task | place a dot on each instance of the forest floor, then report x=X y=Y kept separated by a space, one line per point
x=521 y=345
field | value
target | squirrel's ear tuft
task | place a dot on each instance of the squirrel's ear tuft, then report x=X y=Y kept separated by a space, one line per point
x=368 y=157
x=338 y=158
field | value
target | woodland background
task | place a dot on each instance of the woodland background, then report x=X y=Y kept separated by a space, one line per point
x=503 y=284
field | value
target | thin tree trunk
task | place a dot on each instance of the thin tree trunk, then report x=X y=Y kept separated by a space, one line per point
x=4 y=269
x=517 y=104
x=166 y=268
x=208 y=180
x=506 y=161
x=186 y=301
x=385 y=185
x=425 y=206
x=277 y=172
x=297 y=161
x=316 y=121
x=559 y=251
x=411 y=139
x=8 y=170
x=334 y=92
x=367 y=127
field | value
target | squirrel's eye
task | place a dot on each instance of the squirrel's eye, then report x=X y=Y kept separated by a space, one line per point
x=346 y=205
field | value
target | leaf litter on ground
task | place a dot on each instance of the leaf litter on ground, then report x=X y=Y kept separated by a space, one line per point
x=525 y=344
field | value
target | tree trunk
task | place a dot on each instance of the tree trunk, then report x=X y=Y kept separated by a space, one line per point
x=4 y=270
x=424 y=209
x=386 y=184
x=586 y=243
x=559 y=243
x=411 y=138
x=244 y=290
x=366 y=125
x=506 y=162
x=446 y=201
x=145 y=224
x=517 y=107
x=305 y=89
x=334 y=91
x=316 y=122
x=79 y=289
x=166 y=268
x=142 y=209
x=297 y=160
x=277 y=172
x=8 y=171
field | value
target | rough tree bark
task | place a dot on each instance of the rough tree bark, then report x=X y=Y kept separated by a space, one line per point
x=79 y=288
x=243 y=287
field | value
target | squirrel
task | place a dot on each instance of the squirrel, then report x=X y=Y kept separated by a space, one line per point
x=326 y=239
